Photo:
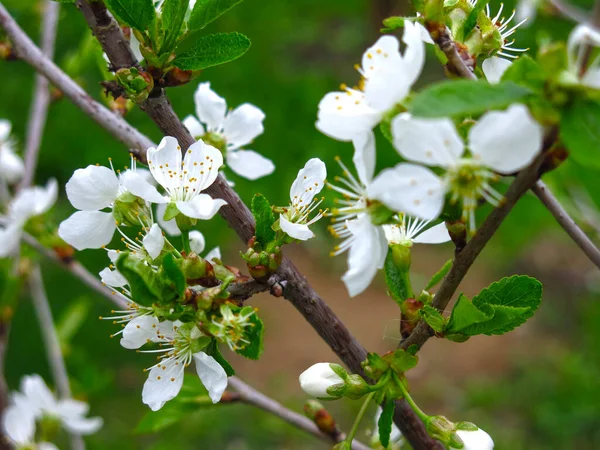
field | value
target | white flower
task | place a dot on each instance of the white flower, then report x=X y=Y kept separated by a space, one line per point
x=183 y=179
x=411 y=231
x=318 y=378
x=502 y=24
x=40 y=401
x=295 y=220
x=28 y=203
x=166 y=377
x=475 y=440
x=230 y=131
x=501 y=141
x=11 y=165
x=587 y=75
x=387 y=76
x=93 y=189
x=231 y=328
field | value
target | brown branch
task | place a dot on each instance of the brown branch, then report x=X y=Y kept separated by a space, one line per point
x=456 y=64
x=253 y=397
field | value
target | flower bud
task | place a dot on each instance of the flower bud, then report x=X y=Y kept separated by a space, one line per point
x=440 y=428
x=473 y=438
x=322 y=381
x=315 y=411
x=137 y=85
x=129 y=210
x=197 y=270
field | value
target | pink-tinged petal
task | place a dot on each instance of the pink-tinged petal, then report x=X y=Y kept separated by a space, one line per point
x=88 y=229
x=92 y=188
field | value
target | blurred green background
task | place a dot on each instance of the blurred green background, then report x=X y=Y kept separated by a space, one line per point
x=535 y=388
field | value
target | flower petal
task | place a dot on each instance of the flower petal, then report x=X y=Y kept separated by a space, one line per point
x=163 y=385
x=212 y=375
x=92 y=188
x=82 y=425
x=202 y=207
x=494 y=67
x=170 y=226
x=139 y=186
x=201 y=166
x=422 y=190
x=414 y=54
x=506 y=141
x=243 y=125
x=10 y=238
x=12 y=167
x=197 y=242
x=364 y=157
x=5 y=128
x=437 y=234
x=112 y=278
x=33 y=201
x=382 y=55
x=214 y=253
x=154 y=241
x=194 y=126
x=433 y=142
x=19 y=424
x=165 y=162
x=210 y=108
x=249 y=164
x=88 y=229
x=38 y=394
x=139 y=331
x=298 y=231
x=309 y=182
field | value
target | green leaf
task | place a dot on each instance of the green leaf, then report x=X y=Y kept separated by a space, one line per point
x=173 y=15
x=212 y=50
x=435 y=279
x=254 y=334
x=580 y=131
x=264 y=218
x=465 y=314
x=401 y=360
x=471 y=20
x=138 y=14
x=466 y=97
x=506 y=318
x=213 y=350
x=525 y=71
x=392 y=23
x=174 y=274
x=385 y=422
x=433 y=318
x=205 y=11
x=396 y=280
x=72 y=319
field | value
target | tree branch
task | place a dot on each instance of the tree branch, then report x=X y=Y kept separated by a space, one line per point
x=253 y=397
x=570 y=11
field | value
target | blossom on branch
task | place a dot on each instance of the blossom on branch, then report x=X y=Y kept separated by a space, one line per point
x=11 y=165
x=586 y=73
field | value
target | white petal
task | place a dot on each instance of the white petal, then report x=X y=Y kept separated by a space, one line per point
x=112 y=278
x=5 y=128
x=424 y=34
x=249 y=164
x=212 y=375
x=165 y=162
x=382 y=55
x=210 y=108
x=12 y=167
x=36 y=391
x=72 y=414
x=581 y=34
x=343 y=115
x=72 y=408
x=296 y=230
x=591 y=78
x=154 y=241
x=10 y=238
x=33 y=201
x=434 y=142
x=422 y=191
x=88 y=229
x=364 y=157
x=194 y=126
x=46 y=446
x=139 y=331
x=494 y=67
x=475 y=440
x=201 y=166
x=140 y=187
x=19 y=424
x=309 y=182
x=135 y=47
x=202 y=207
x=506 y=141
x=170 y=226
x=437 y=234
x=92 y=188
x=414 y=53
x=214 y=253
x=197 y=242
x=243 y=125
x=162 y=385
x=526 y=10
x=366 y=256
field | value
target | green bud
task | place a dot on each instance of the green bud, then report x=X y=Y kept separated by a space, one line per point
x=440 y=428
x=262 y=264
x=216 y=140
x=197 y=269
x=130 y=210
x=356 y=387
x=137 y=85
x=401 y=257
x=380 y=214
x=184 y=223
x=374 y=366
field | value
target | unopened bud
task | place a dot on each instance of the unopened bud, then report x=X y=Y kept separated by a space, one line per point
x=177 y=77
x=197 y=270
x=131 y=210
x=440 y=428
x=315 y=411
x=322 y=381
x=410 y=316
x=470 y=438
x=136 y=84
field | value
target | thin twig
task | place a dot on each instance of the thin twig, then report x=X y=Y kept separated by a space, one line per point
x=568 y=224
x=570 y=11
x=253 y=397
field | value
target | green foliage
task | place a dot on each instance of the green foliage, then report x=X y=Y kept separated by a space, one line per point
x=213 y=350
x=433 y=318
x=397 y=280
x=401 y=361
x=212 y=50
x=254 y=334
x=580 y=131
x=392 y=23
x=174 y=273
x=173 y=15
x=384 y=424
x=71 y=320
x=471 y=20
x=138 y=14
x=440 y=274
x=526 y=72
x=205 y=11
x=264 y=218
x=466 y=97
x=497 y=309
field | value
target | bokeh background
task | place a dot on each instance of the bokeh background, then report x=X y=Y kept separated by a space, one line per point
x=535 y=388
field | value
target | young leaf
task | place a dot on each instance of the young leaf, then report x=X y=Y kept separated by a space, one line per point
x=386 y=419
x=396 y=280
x=212 y=50
x=580 y=131
x=465 y=314
x=401 y=361
x=466 y=97
x=205 y=11
x=471 y=20
x=433 y=318
x=525 y=71
x=435 y=279
x=173 y=14
x=213 y=350
x=264 y=218
x=254 y=334
x=174 y=274
x=138 y=14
